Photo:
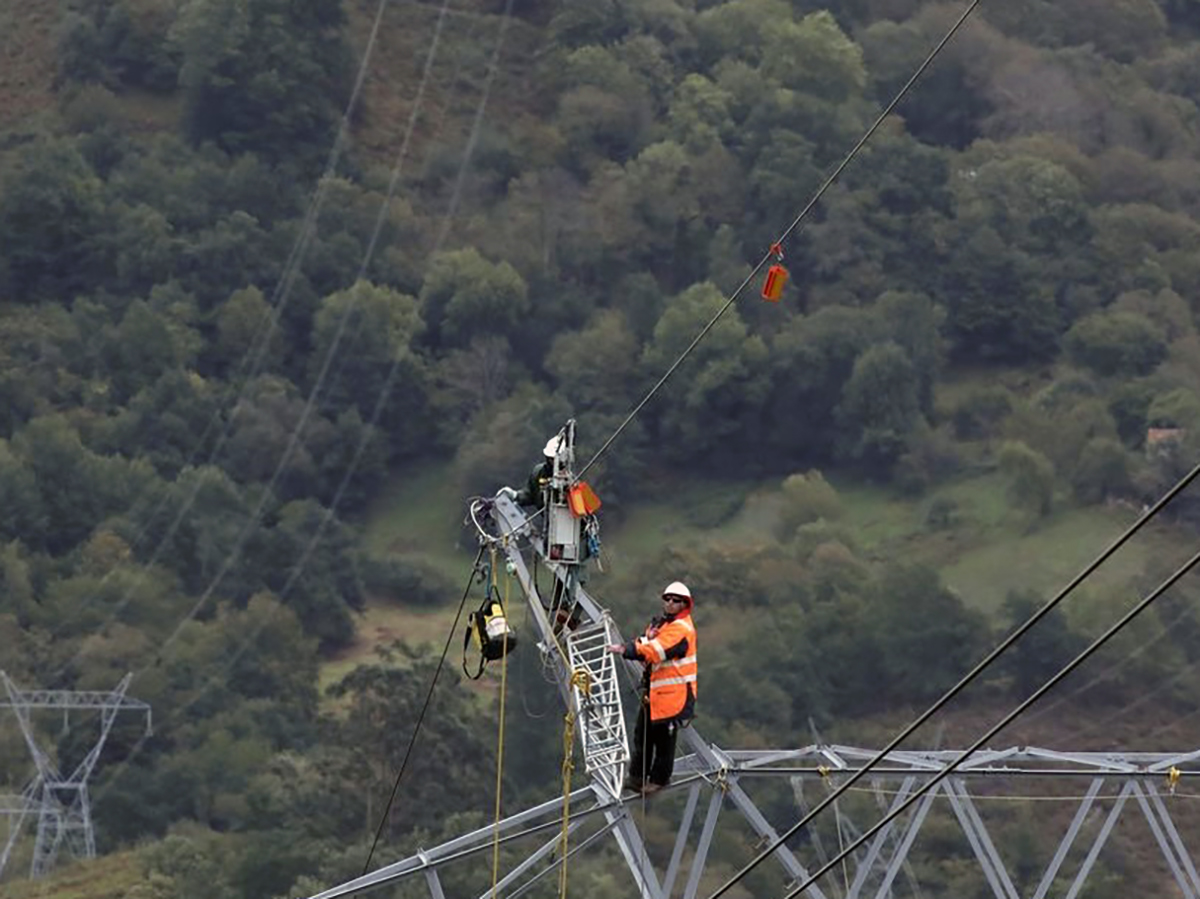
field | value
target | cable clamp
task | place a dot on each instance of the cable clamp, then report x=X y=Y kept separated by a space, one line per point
x=824 y=770
x=1173 y=779
x=777 y=250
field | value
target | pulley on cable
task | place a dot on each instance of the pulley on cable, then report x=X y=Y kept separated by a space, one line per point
x=777 y=276
x=487 y=626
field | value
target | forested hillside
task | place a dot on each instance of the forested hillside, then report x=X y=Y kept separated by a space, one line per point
x=261 y=259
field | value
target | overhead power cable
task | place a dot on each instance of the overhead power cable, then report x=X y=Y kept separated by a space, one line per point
x=218 y=677
x=997 y=727
x=970 y=676
x=777 y=244
x=251 y=362
x=322 y=376
x=412 y=741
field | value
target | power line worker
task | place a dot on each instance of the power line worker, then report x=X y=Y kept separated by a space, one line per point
x=668 y=651
x=533 y=493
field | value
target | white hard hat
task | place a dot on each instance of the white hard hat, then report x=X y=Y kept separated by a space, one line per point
x=677 y=588
x=552 y=445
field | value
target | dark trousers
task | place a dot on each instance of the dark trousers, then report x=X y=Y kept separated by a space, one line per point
x=652 y=755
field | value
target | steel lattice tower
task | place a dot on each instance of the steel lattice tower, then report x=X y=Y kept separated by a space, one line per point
x=719 y=776
x=60 y=801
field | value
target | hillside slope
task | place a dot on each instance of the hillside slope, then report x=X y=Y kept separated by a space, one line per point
x=27 y=39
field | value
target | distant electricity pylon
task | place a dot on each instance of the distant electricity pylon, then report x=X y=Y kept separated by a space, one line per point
x=60 y=801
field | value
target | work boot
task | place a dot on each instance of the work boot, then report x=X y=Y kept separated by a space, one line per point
x=651 y=787
x=632 y=784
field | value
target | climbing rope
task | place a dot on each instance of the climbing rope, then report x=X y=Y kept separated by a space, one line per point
x=581 y=681
x=500 y=737
x=424 y=708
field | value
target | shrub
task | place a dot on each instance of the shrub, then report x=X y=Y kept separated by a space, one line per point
x=807 y=498
x=406 y=579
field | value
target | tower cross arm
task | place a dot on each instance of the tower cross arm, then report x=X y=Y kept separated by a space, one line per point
x=71 y=699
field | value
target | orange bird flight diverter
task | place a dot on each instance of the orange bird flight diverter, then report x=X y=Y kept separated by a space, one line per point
x=582 y=500
x=777 y=276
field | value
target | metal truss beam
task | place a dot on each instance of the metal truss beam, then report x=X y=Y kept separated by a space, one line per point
x=723 y=774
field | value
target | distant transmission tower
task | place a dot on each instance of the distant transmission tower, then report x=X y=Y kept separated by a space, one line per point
x=61 y=802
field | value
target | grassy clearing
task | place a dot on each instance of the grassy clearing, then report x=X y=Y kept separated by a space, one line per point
x=107 y=877
x=986 y=550
x=382 y=624
x=419 y=515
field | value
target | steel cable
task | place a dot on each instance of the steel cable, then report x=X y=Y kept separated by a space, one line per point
x=971 y=675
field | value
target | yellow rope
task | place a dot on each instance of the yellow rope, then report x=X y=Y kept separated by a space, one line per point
x=581 y=680
x=500 y=737
x=568 y=766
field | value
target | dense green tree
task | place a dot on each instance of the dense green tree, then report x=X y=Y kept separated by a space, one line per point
x=997 y=306
x=950 y=106
x=1116 y=343
x=235 y=250
x=811 y=359
x=77 y=488
x=247 y=333
x=272 y=433
x=186 y=867
x=927 y=637
x=699 y=114
x=914 y=323
x=143 y=349
x=596 y=367
x=739 y=29
x=465 y=295
x=980 y=410
x=141 y=243
x=708 y=418
x=1178 y=408
x=1124 y=29
x=200 y=518
x=605 y=109
x=307 y=558
x=39 y=361
x=880 y=406
x=816 y=57
x=365 y=357
x=123 y=42
x=50 y=209
x=1030 y=477
x=579 y=22
x=447 y=772
x=807 y=497
x=502 y=444
x=1103 y=470
x=262 y=75
x=171 y=423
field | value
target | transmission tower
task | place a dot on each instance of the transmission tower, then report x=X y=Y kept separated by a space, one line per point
x=547 y=539
x=60 y=801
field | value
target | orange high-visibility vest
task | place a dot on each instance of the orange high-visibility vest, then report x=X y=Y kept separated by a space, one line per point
x=671 y=679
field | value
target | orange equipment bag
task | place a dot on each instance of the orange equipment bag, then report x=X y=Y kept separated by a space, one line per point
x=582 y=500
x=772 y=289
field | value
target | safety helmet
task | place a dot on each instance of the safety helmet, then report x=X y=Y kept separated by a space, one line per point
x=552 y=446
x=678 y=588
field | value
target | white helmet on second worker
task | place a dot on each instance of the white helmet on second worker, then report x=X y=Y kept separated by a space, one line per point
x=553 y=445
x=678 y=588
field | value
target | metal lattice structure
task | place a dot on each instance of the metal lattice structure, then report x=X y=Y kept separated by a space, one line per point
x=720 y=777
x=60 y=801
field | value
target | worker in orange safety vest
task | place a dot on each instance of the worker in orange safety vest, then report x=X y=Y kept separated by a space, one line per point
x=668 y=651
